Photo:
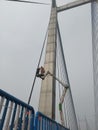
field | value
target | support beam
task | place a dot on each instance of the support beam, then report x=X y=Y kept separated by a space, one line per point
x=73 y=4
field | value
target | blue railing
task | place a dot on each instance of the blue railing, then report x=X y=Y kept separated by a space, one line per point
x=17 y=115
x=42 y=122
x=14 y=113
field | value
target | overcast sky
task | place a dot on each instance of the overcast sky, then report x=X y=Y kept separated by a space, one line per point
x=22 y=31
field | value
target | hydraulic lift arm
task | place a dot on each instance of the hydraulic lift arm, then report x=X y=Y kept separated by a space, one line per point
x=62 y=96
x=64 y=85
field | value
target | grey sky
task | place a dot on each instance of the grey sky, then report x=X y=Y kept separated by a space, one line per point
x=22 y=31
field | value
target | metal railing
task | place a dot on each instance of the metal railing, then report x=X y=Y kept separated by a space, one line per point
x=15 y=114
x=43 y=122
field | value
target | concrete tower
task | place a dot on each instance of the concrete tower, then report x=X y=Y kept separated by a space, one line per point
x=47 y=94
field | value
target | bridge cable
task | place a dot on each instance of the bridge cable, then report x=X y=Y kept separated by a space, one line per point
x=59 y=66
x=31 y=2
x=29 y=99
x=62 y=71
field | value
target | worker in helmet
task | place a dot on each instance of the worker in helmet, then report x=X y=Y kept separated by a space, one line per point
x=40 y=73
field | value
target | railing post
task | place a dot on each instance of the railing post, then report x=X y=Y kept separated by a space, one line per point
x=1 y=103
x=13 y=117
x=36 y=122
x=20 y=119
x=31 y=121
x=26 y=120
x=8 y=116
x=17 y=117
x=4 y=114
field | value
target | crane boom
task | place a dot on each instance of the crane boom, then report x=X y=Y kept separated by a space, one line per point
x=62 y=96
x=64 y=85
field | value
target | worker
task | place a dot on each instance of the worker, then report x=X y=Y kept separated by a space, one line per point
x=40 y=73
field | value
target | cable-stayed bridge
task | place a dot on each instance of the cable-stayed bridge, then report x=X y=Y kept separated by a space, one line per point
x=55 y=63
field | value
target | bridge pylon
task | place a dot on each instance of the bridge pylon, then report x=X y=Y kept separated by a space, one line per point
x=47 y=94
